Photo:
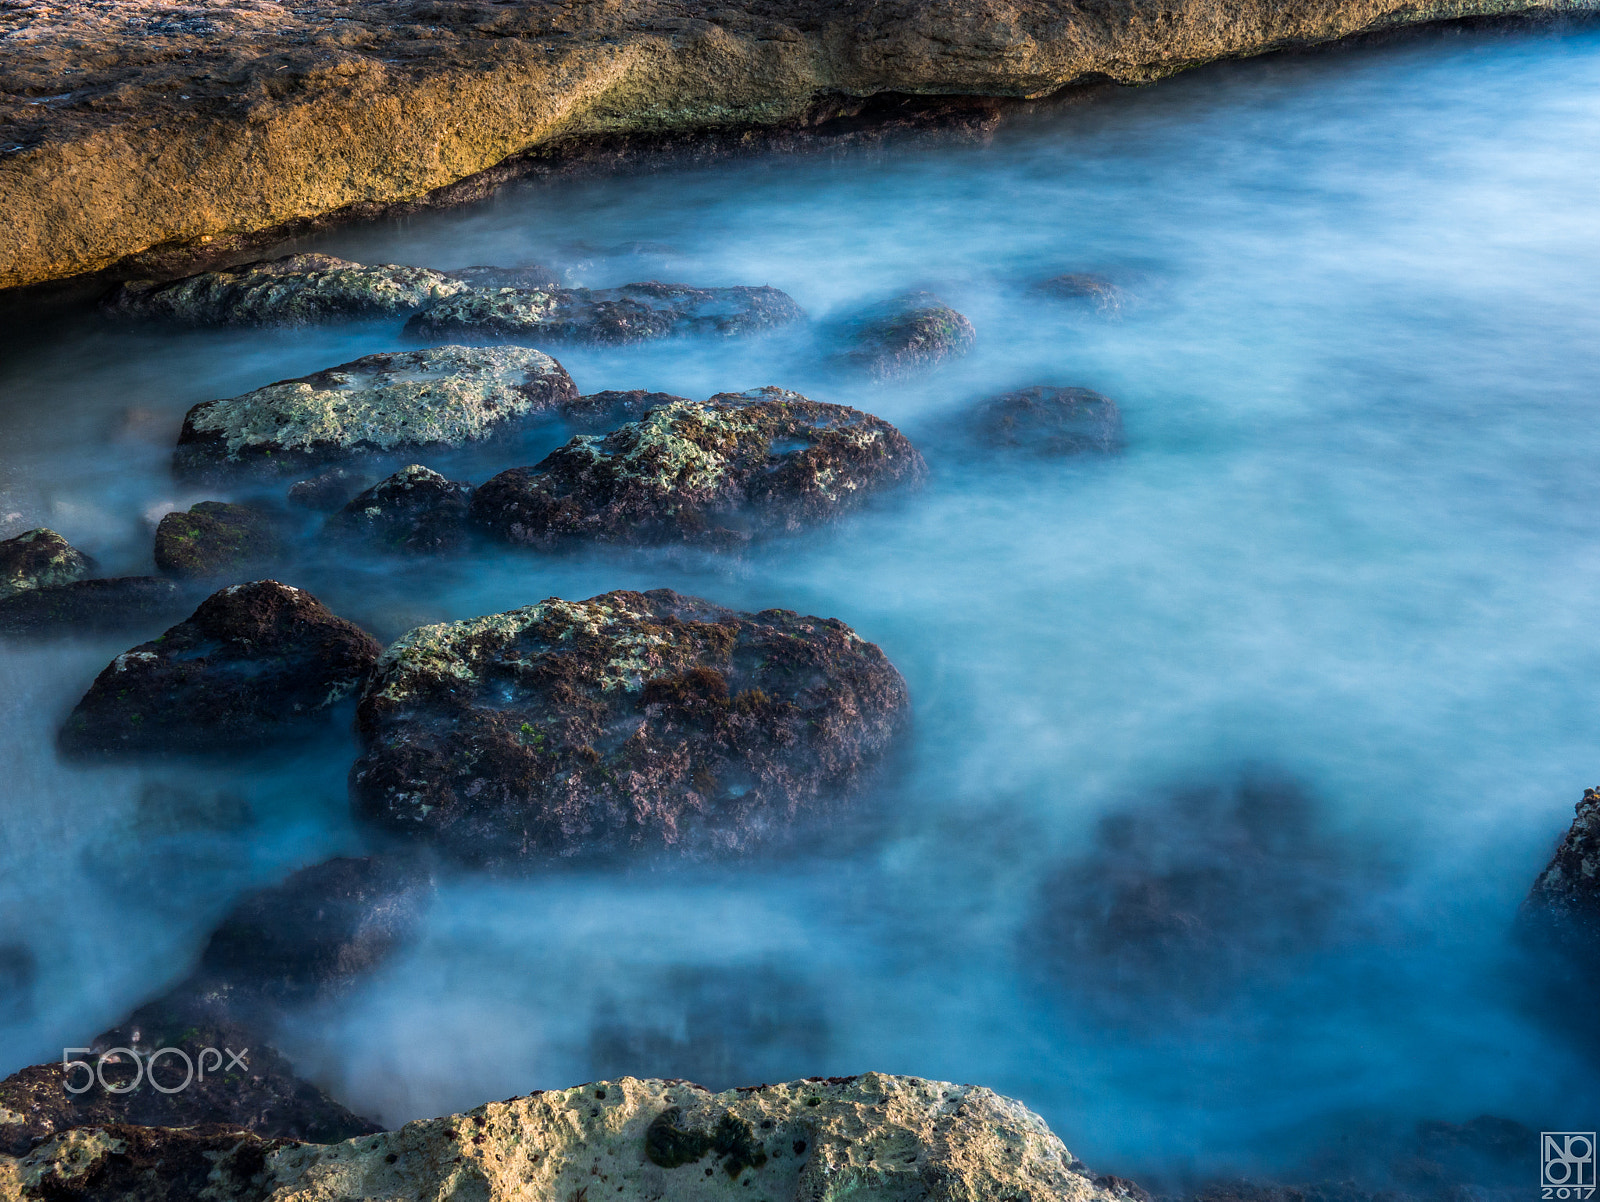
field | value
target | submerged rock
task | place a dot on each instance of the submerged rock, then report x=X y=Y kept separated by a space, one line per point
x=447 y=396
x=906 y=335
x=714 y=471
x=1082 y=288
x=1049 y=421
x=631 y=313
x=415 y=511
x=631 y=720
x=255 y=662
x=91 y=606
x=39 y=559
x=294 y=290
x=216 y=538
x=890 y=1139
x=329 y=490
x=607 y=410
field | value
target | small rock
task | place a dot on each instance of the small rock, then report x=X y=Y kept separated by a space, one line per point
x=906 y=335
x=255 y=662
x=294 y=290
x=712 y=472
x=533 y=275
x=1083 y=287
x=608 y=410
x=1050 y=421
x=447 y=396
x=631 y=313
x=216 y=538
x=330 y=490
x=91 y=606
x=415 y=511
x=38 y=559
x=631 y=720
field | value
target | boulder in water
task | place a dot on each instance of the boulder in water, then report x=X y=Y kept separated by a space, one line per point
x=610 y=409
x=710 y=472
x=631 y=720
x=39 y=559
x=1049 y=421
x=416 y=511
x=905 y=336
x=392 y=403
x=254 y=663
x=329 y=490
x=214 y=539
x=91 y=606
x=1084 y=288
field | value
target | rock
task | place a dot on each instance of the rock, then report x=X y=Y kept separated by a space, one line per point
x=264 y=1096
x=448 y=396
x=1558 y=925
x=310 y=937
x=255 y=662
x=91 y=606
x=38 y=559
x=1049 y=421
x=890 y=1139
x=608 y=410
x=905 y=335
x=415 y=511
x=291 y=291
x=332 y=489
x=214 y=539
x=631 y=313
x=631 y=720
x=532 y=275
x=1082 y=288
x=712 y=472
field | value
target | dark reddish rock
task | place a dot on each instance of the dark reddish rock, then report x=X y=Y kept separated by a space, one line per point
x=39 y=559
x=631 y=720
x=254 y=663
x=1082 y=288
x=607 y=410
x=91 y=606
x=415 y=512
x=329 y=490
x=1049 y=421
x=905 y=336
x=631 y=313
x=714 y=472
x=214 y=539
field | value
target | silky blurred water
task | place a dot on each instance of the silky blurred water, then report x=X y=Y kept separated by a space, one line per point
x=1353 y=541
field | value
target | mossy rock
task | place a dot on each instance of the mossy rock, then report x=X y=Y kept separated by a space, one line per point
x=416 y=511
x=214 y=539
x=905 y=336
x=39 y=559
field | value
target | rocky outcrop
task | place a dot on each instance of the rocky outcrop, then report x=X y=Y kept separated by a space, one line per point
x=714 y=472
x=255 y=662
x=608 y=410
x=416 y=511
x=1049 y=421
x=905 y=335
x=631 y=313
x=447 y=396
x=39 y=559
x=89 y=606
x=214 y=539
x=631 y=720
x=1559 y=923
x=891 y=1139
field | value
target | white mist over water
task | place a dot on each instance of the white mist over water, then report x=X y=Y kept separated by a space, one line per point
x=1352 y=538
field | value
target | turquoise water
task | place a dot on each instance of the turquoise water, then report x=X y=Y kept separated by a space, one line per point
x=1353 y=539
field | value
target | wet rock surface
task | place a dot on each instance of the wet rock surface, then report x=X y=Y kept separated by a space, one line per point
x=1049 y=421
x=90 y=606
x=214 y=539
x=254 y=662
x=631 y=313
x=1082 y=288
x=628 y=721
x=329 y=490
x=1564 y=903
x=606 y=410
x=905 y=336
x=894 y=1139
x=448 y=396
x=713 y=472
x=416 y=511
x=39 y=559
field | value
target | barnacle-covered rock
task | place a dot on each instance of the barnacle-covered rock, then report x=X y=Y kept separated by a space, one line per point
x=645 y=720
x=415 y=511
x=1049 y=421
x=631 y=313
x=216 y=538
x=88 y=606
x=905 y=335
x=254 y=662
x=713 y=471
x=39 y=559
x=447 y=396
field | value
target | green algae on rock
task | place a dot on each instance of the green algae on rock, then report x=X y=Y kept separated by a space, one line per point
x=631 y=313
x=254 y=662
x=904 y=336
x=39 y=559
x=711 y=472
x=416 y=511
x=447 y=396
x=216 y=538
x=630 y=720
